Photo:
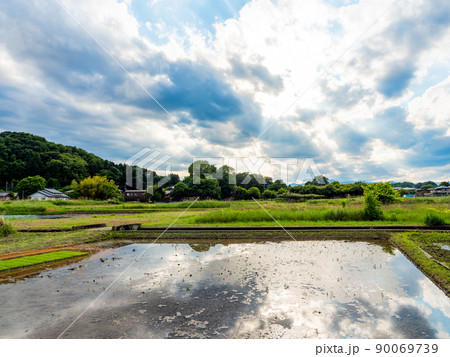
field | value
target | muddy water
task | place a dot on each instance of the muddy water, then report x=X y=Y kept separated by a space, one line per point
x=321 y=289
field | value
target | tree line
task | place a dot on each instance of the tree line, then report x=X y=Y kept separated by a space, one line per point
x=29 y=163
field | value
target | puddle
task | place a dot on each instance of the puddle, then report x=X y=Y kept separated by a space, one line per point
x=443 y=246
x=242 y=290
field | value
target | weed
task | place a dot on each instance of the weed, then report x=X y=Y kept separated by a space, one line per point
x=6 y=228
x=432 y=219
x=372 y=208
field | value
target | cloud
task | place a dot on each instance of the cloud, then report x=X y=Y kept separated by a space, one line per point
x=365 y=109
x=396 y=80
x=200 y=89
x=257 y=74
x=431 y=109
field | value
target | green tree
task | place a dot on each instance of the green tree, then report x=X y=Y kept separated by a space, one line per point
x=247 y=180
x=268 y=194
x=227 y=175
x=180 y=190
x=382 y=192
x=253 y=192
x=420 y=184
x=208 y=188
x=52 y=183
x=424 y=187
x=173 y=180
x=30 y=184
x=97 y=188
x=241 y=193
x=282 y=191
x=277 y=185
x=318 y=180
x=444 y=183
x=157 y=195
x=205 y=168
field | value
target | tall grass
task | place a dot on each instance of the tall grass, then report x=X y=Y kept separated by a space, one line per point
x=304 y=212
x=433 y=219
x=6 y=228
x=25 y=207
x=197 y=204
x=258 y=215
x=78 y=203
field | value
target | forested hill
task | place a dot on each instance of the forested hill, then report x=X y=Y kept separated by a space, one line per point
x=23 y=154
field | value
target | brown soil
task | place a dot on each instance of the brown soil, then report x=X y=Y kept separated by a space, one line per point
x=77 y=247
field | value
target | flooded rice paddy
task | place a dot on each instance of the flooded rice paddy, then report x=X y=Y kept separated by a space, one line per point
x=287 y=289
x=31 y=216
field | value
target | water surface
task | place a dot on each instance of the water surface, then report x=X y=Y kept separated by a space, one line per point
x=308 y=289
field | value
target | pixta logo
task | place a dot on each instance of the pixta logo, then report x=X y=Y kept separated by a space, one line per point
x=290 y=170
x=151 y=160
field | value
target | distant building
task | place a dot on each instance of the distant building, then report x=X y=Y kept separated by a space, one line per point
x=440 y=191
x=406 y=188
x=5 y=196
x=48 y=194
x=167 y=196
x=135 y=195
x=425 y=192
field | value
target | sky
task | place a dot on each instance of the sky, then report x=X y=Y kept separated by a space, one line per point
x=362 y=88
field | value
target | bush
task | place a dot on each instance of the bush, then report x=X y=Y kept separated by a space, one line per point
x=383 y=192
x=97 y=188
x=372 y=208
x=241 y=193
x=253 y=192
x=282 y=191
x=6 y=228
x=116 y=201
x=432 y=219
x=269 y=194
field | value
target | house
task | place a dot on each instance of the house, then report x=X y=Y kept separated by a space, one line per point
x=424 y=192
x=136 y=195
x=441 y=191
x=5 y=196
x=167 y=196
x=48 y=194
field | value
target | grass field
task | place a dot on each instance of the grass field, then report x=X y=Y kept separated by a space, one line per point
x=38 y=259
x=21 y=242
x=74 y=206
x=411 y=211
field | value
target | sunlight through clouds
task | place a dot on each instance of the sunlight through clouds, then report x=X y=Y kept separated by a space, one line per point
x=347 y=81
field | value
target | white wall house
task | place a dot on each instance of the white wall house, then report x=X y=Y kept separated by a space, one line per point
x=48 y=194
